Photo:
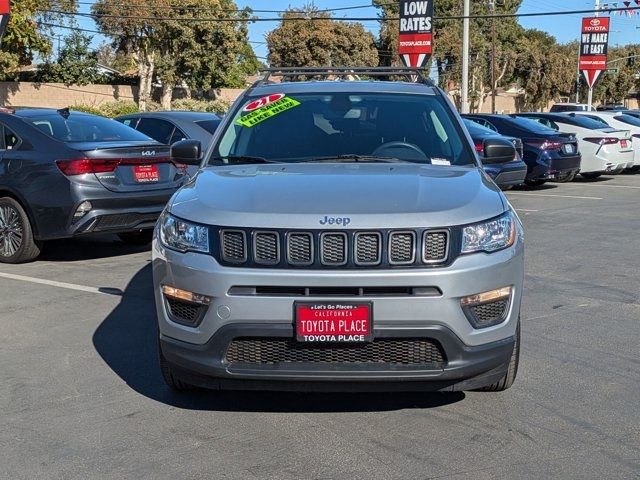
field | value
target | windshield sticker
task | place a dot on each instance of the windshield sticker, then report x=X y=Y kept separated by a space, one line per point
x=260 y=114
x=440 y=161
x=261 y=102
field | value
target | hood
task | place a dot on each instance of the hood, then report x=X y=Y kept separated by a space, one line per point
x=369 y=195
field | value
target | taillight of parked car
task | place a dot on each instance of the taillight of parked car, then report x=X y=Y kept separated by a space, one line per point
x=82 y=166
x=544 y=144
x=602 y=140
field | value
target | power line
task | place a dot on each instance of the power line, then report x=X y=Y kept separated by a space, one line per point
x=204 y=9
x=352 y=19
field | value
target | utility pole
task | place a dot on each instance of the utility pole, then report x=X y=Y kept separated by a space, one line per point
x=465 y=57
x=492 y=8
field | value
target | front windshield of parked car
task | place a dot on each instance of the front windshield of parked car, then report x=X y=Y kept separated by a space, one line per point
x=85 y=128
x=628 y=119
x=309 y=127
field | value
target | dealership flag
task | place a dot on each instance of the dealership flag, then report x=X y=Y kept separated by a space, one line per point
x=594 y=42
x=415 y=38
x=4 y=17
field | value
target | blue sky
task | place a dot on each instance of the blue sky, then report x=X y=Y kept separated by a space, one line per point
x=564 y=28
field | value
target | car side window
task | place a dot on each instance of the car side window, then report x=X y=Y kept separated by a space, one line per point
x=488 y=125
x=10 y=141
x=177 y=136
x=159 y=130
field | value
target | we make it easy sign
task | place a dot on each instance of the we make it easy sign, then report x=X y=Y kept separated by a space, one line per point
x=594 y=42
x=416 y=37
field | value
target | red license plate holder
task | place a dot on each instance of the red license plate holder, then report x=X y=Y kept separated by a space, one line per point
x=333 y=322
x=146 y=173
x=623 y=143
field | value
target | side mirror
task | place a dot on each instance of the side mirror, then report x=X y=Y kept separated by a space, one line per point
x=497 y=150
x=187 y=152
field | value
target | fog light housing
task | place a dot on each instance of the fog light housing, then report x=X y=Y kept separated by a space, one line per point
x=84 y=208
x=185 y=307
x=488 y=308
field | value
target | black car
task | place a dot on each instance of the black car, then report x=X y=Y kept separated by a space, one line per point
x=69 y=173
x=505 y=174
x=549 y=155
x=172 y=126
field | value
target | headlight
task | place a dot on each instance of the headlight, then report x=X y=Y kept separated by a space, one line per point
x=490 y=236
x=182 y=235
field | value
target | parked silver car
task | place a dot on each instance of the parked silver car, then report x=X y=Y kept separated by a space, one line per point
x=341 y=235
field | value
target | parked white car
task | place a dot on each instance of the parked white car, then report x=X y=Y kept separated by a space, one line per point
x=570 y=107
x=620 y=120
x=604 y=149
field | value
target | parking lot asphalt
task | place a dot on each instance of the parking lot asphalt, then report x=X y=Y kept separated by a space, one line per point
x=82 y=396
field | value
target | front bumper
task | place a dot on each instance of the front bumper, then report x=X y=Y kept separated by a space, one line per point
x=476 y=355
x=466 y=368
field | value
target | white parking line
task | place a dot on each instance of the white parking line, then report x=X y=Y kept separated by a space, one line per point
x=551 y=195
x=53 y=283
x=608 y=186
x=526 y=210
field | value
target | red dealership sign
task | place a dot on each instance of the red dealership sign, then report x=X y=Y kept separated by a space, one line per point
x=416 y=38
x=594 y=43
x=5 y=6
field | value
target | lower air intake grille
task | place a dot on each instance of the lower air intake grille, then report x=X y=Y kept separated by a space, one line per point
x=273 y=351
x=435 y=246
x=185 y=312
x=234 y=245
x=489 y=313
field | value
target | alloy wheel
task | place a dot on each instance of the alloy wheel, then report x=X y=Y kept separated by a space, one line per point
x=11 y=231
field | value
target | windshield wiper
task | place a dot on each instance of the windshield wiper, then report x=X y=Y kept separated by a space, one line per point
x=240 y=160
x=352 y=157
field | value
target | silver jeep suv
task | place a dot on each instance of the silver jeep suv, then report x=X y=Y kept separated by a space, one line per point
x=340 y=235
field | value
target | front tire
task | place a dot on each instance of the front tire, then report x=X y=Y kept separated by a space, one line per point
x=512 y=369
x=139 y=238
x=17 y=244
x=169 y=377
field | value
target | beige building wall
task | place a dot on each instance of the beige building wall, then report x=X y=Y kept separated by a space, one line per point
x=57 y=95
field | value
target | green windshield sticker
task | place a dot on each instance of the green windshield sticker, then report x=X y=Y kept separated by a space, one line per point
x=268 y=111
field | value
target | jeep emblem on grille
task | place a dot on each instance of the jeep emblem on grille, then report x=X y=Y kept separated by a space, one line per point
x=343 y=221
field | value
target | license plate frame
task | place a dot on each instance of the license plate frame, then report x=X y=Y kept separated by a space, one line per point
x=146 y=173
x=568 y=149
x=338 y=326
x=623 y=143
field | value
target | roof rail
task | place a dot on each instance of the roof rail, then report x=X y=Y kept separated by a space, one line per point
x=415 y=75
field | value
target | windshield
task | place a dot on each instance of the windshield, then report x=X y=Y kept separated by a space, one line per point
x=85 y=128
x=531 y=125
x=587 y=122
x=628 y=119
x=306 y=127
x=476 y=129
x=598 y=120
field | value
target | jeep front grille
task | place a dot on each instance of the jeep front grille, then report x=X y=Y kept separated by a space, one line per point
x=434 y=246
x=402 y=248
x=389 y=351
x=333 y=248
x=319 y=249
x=234 y=245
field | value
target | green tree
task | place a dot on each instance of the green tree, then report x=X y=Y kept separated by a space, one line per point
x=24 y=38
x=320 y=42
x=615 y=87
x=76 y=64
x=166 y=40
